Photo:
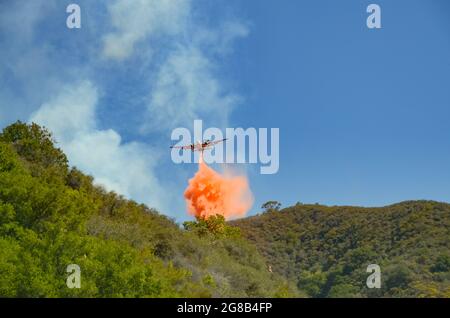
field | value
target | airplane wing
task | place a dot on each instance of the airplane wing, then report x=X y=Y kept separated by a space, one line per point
x=215 y=142
x=180 y=147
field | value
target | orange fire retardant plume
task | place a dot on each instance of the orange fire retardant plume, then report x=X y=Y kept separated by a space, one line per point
x=209 y=193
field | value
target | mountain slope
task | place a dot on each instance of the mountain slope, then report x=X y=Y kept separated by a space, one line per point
x=52 y=216
x=326 y=250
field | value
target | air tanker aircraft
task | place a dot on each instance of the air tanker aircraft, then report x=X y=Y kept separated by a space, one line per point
x=200 y=146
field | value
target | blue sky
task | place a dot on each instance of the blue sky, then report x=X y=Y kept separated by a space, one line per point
x=364 y=115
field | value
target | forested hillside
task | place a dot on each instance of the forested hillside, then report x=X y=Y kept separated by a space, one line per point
x=52 y=215
x=326 y=250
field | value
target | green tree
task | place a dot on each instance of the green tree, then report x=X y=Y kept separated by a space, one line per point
x=215 y=225
x=271 y=206
x=442 y=264
x=35 y=144
x=312 y=283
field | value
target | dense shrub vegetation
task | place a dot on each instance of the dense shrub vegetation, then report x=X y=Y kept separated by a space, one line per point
x=52 y=216
x=326 y=250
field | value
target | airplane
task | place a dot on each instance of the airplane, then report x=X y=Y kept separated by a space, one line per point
x=200 y=146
